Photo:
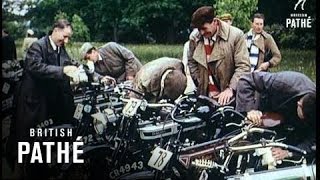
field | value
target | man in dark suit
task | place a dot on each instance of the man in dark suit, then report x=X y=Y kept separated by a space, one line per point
x=9 y=51
x=45 y=91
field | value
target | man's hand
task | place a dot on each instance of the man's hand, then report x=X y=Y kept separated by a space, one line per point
x=70 y=70
x=263 y=67
x=73 y=73
x=213 y=94
x=108 y=80
x=129 y=78
x=225 y=96
x=255 y=117
x=279 y=153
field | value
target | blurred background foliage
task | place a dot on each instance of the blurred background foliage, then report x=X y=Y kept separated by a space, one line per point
x=156 y=21
x=157 y=28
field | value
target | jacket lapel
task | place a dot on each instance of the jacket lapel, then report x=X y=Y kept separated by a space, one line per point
x=199 y=54
x=260 y=43
x=52 y=54
x=217 y=53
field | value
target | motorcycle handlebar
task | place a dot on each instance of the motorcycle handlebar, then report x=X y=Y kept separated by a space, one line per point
x=268 y=144
x=152 y=105
x=251 y=130
x=134 y=91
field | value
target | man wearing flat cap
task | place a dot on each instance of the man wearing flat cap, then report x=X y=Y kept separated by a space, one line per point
x=226 y=17
x=28 y=40
x=112 y=60
x=162 y=78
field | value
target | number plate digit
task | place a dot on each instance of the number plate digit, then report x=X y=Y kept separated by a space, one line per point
x=159 y=159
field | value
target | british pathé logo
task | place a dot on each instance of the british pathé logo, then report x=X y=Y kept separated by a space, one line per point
x=300 y=2
x=299 y=20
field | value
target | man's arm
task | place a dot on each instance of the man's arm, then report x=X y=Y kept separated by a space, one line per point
x=36 y=66
x=247 y=85
x=276 y=55
x=193 y=65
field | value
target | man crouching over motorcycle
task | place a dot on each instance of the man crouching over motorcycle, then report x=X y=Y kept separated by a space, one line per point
x=291 y=94
x=162 y=78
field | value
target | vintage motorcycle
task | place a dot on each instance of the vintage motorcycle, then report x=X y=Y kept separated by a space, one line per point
x=242 y=151
x=145 y=126
x=192 y=138
x=93 y=97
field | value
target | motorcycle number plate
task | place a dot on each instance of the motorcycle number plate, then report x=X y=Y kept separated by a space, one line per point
x=131 y=107
x=5 y=88
x=78 y=112
x=159 y=159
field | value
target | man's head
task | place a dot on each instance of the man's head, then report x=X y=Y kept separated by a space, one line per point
x=89 y=52
x=306 y=108
x=30 y=32
x=226 y=18
x=61 y=32
x=204 y=19
x=174 y=84
x=257 y=23
x=4 y=32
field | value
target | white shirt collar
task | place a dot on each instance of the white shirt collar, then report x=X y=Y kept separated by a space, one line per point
x=53 y=45
x=214 y=37
x=100 y=58
x=254 y=35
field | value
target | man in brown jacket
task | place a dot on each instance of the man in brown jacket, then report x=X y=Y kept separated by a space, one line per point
x=162 y=78
x=261 y=46
x=112 y=60
x=217 y=56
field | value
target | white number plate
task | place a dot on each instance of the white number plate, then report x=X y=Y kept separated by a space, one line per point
x=78 y=112
x=5 y=88
x=131 y=107
x=159 y=159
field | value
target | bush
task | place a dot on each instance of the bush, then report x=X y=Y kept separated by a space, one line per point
x=292 y=38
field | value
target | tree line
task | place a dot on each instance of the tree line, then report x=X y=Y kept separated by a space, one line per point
x=145 y=21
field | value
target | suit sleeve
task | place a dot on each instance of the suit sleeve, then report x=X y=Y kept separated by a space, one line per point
x=36 y=66
x=307 y=144
x=247 y=85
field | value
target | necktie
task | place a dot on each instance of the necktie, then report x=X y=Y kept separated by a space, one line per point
x=208 y=44
x=58 y=55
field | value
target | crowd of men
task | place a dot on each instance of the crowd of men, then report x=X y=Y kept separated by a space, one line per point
x=224 y=64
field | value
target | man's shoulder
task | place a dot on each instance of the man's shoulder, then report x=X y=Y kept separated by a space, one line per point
x=42 y=41
x=266 y=35
x=7 y=39
x=228 y=31
x=235 y=32
x=109 y=45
